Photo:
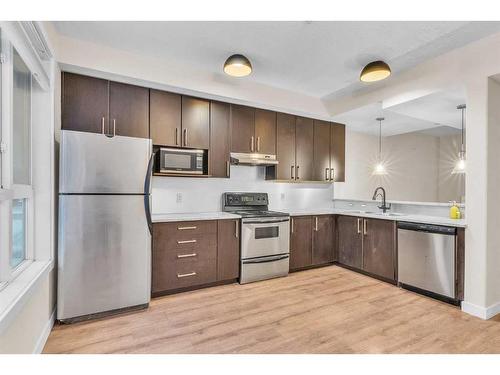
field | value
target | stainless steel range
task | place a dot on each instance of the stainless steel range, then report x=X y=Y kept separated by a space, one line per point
x=265 y=236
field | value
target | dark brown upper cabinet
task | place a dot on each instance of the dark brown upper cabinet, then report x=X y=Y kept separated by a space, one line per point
x=265 y=132
x=300 y=242
x=242 y=128
x=321 y=148
x=285 y=147
x=165 y=118
x=195 y=123
x=304 y=141
x=337 y=162
x=219 y=163
x=128 y=110
x=323 y=239
x=350 y=241
x=379 y=248
x=99 y=106
x=84 y=103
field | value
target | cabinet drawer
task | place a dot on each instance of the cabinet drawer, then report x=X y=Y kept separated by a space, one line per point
x=181 y=229
x=184 y=268
x=188 y=242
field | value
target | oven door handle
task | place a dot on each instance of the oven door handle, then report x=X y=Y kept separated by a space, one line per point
x=264 y=221
x=266 y=259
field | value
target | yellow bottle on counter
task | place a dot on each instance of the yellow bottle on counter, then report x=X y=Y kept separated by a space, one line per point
x=455 y=211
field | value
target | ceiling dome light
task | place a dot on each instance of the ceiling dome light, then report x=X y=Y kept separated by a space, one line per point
x=375 y=71
x=237 y=66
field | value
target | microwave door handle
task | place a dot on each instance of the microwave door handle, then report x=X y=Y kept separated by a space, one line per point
x=147 y=192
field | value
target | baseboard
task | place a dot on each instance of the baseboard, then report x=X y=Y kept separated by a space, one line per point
x=484 y=313
x=45 y=333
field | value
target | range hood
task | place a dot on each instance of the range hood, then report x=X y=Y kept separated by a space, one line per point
x=253 y=159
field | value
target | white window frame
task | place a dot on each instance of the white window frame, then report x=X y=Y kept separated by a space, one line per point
x=11 y=191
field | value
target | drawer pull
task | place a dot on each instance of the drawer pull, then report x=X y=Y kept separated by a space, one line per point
x=180 y=256
x=186 y=228
x=181 y=275
x=186 y=241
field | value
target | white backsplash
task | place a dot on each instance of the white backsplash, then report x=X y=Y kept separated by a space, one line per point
x=184 y=195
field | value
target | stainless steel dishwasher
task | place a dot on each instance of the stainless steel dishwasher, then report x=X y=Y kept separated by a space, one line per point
x=426 y=259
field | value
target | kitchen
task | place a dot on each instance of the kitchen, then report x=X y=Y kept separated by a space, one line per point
x=205 y=213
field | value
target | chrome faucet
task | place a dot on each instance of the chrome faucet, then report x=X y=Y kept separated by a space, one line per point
x=384 y=207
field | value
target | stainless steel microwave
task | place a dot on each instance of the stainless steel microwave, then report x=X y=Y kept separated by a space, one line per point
x=181 y=161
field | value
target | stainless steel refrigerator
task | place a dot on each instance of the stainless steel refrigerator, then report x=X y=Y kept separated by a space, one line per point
x=104 y=247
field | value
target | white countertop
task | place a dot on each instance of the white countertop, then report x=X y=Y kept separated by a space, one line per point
x=414 y=218
x=192 y=216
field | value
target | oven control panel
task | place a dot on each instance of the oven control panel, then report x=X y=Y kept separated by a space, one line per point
x=245 y=199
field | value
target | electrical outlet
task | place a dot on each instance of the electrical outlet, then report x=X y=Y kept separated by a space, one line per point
x=282 y=196
x=178 y=198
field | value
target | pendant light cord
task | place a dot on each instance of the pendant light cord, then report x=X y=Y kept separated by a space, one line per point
x=380 y=140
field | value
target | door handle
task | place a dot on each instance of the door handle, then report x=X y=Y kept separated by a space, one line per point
x=176 y=136
x=186 y=241
x=359 y=226
x=114 y=127
x=185 y=137
x=181 y=275
x=102 y=126
x=258 y=143
x=291 y=173
x=316 y=224
x=228 y=168
x=236 y=229
x=332 y=174
x=326 y=173
x=186 y=228
x=291 y=225
x=297 y=172
x=180 y=256
x=252 y=143
x=365 y=230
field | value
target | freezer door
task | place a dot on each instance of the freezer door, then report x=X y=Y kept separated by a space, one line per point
x=95 y=163
x=104 y=254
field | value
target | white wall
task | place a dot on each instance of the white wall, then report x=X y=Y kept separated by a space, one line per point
x=204 y=195
x=413 y=162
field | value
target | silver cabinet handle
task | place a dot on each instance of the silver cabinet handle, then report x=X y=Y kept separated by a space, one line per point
x=114 y=127
x=359 y=226
x=186 y=241
x=291 y=173
x=236 y=229
x=315 y=223
x=326 y=173
x=258 y=143
x=252 y=143
x=186 y=228
x=332 y=174
x=228 y=168
x=181 y=275
x=365 y=230
x=185 y=137
x=176 y=136
x=180 y=256
x=102 y=125
x=291 y=225
x=297 y=172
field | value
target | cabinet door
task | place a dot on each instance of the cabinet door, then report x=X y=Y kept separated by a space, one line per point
x=350 y=241
x=300 y=242
x=128 y=110
x=242 y=129
x=219 y=140
x=84 y=103
x=379 y=247
x=337 y=163
x=265 y=132
x=323 y=244
x=195 y=123
x=304 y=140
x=228 y=249
x=321 y=170
x=165 y=118
x=285 y=146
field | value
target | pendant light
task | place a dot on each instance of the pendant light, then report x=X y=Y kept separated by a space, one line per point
x=375 y=71
x=460 y=165
x=380 y=167
x=237 y=66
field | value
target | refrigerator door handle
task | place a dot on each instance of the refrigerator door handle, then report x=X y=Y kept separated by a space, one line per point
x=147 y=189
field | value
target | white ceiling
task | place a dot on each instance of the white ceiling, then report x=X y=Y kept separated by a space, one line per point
x=320 y=59
x=434 y=114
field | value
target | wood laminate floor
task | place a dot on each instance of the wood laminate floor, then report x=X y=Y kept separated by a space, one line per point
x=326 y=310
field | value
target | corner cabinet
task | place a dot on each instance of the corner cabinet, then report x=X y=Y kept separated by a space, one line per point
x=368 y=245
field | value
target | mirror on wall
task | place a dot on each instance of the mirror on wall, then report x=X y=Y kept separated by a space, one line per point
x=411 y=148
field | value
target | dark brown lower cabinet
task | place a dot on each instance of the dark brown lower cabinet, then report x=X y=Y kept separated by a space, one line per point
x=191 y=254
x=323 y=239
x=379 y=247
x=228 y=249
x=300 y=242
x=350 y=241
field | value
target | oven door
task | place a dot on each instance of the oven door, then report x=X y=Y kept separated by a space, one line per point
x=264 y=237
x=181 y=161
